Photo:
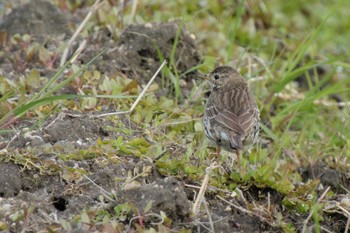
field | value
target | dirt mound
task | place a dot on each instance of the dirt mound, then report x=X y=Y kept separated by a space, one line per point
x=141 y=47
x=37 y=18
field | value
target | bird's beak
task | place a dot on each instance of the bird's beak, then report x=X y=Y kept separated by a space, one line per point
x=203 y=76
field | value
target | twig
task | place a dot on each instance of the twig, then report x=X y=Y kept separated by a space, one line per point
x=345 y=211
x=192 y=186
x=181 y=122
x=266 y=220
x=236 y=206
x=209 y=215
x=209 y=188
x=96 y=5
x=13 y=138
x=138 y=98
x=60 y=116
x=161 y=154
x=81 y=47
x=262 y=62
x=121 y=12
x=256 y=79
x=133 y=10
x=312 y=211
x=146 y=215
x=331 y=104
x=347 y=225
x=300 y=96
x=249 y=66
x=326 y=230
x=348 y=214
x=204 y=224
x=204 y=186
x=105 y=193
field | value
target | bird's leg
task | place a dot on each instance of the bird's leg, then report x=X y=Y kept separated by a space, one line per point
x=218 y=155
x=238 y=157
x=218 y=158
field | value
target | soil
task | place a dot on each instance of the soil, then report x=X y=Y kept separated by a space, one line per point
x=44 y=197
x=33 y=18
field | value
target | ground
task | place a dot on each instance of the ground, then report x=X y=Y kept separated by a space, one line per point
x=65 y=168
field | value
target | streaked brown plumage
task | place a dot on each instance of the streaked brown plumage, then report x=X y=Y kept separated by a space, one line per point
x=231 y=116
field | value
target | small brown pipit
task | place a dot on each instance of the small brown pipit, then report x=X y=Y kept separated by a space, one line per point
x=231 y=115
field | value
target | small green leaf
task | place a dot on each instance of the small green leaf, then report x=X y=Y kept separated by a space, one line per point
x=3 y=226
x=85 y=218
x=33 y=79
x=166 y=103
x=137 y=142
x=136 y=117
x=284 y=186
x=44 y=55
x=148 y=206
x=198 y=126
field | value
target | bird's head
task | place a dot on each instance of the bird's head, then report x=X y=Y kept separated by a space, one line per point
x=222 y=75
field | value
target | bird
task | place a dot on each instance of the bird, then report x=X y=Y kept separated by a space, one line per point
x=231 y=115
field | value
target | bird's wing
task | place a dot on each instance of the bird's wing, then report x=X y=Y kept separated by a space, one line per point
x=248 y=118
x=238 y=124
x=231 y=121
x=225 y=118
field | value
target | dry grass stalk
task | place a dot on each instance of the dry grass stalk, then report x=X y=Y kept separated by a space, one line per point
x=138 y=98
x=93 y=9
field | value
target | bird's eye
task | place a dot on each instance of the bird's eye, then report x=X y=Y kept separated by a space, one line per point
x=216 y=77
